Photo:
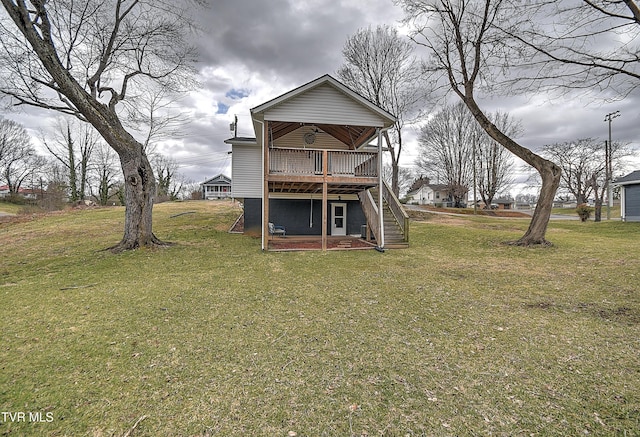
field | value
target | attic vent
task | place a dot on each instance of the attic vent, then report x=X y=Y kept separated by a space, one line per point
x=309 y=138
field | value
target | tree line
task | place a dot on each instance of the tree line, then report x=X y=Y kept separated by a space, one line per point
x=492 y=48
x=75 y=166
x=93 y=60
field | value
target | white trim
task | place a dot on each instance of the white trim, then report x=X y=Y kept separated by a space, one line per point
x=264 y=237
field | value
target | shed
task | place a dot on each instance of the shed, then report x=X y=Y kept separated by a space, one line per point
x=629 y=196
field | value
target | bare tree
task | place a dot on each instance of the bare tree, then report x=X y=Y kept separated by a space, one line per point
x=493 y=162
x=405 y=177
x=468 y=51
x=84 y=59
x=18 y=158
x=104 y=173
x=72 y=145
x=154 y=115
x=170 y=182
x=380 y=66
x=583 y=167
x=446 y=145
x=589 y=45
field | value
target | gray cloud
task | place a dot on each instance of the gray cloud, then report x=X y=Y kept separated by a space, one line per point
x=252 y=51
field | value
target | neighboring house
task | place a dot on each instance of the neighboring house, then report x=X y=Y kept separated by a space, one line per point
x=311 y=168
x=422 y=192
x=218 y=187
x=432 y=194
x=629 y=196
x=27 y=193
x=503 y=203
x=567 y=204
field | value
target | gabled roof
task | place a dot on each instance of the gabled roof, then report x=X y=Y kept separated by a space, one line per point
x=432 y=187
x=218 y=179
x=241 y=140
x=324 y=80
x=631 y=178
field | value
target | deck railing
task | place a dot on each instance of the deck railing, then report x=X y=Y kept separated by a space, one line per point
x=397 y=210
x=310 y=162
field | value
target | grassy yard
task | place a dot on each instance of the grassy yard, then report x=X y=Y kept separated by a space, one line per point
x=457 y=335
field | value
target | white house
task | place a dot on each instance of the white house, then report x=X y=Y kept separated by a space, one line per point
x=218 y=187
x=422 y=192
x=313 y=166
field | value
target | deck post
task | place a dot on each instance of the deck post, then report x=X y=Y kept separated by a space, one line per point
x=380 y=194
x=325 y=206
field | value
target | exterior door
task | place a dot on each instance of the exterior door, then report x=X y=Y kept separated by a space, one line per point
x=338 y=219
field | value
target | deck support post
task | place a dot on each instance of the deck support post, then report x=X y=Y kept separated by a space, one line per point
x=325 y=206
x=380 y=194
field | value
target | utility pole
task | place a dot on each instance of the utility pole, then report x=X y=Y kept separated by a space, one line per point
x=608 y=149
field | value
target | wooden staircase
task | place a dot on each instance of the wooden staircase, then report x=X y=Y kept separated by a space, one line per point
x=396 y=234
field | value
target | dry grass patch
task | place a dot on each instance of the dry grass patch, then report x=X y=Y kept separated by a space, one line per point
x=457 y=335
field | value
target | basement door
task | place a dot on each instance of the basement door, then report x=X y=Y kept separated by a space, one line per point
x=338 y=219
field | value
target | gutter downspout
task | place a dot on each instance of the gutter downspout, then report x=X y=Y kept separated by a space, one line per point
x=380 y=182
x=262 y=240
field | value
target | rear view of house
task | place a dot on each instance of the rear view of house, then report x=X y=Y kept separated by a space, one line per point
x=314 y=165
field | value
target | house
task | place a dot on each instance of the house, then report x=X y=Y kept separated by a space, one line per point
x=629 y=196
x=503 y=203
x=218 y=187
x=27 y=193
x=422 y=192
x=313 y=167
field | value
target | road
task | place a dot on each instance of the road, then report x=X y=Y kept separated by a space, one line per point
x=525 y=211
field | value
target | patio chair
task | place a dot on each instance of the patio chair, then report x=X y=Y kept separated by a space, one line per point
x=277 y=230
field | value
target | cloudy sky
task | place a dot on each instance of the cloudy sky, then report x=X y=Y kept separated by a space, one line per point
x=253 y=51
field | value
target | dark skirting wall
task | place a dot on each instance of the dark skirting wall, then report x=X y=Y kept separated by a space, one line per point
x=253 y=215
x=295 y=215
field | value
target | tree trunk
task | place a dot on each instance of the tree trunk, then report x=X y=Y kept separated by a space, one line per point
x=139 y=186
x=598 y=211
x=535 y=235
x=549 y=172
x=138 y=174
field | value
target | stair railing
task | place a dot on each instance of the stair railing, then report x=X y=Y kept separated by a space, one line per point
x=397 y=210
x=370 y=210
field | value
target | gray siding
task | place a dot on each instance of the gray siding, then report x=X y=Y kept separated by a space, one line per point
x=294 y=215
x=246 y=172
x=324 y=105
x=632 y=203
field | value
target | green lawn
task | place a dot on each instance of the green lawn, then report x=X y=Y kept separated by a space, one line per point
x=457 y=335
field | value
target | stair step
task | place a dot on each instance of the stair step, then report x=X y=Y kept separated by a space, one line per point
x=393 y=234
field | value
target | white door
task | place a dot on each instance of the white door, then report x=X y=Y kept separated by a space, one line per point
x=338 y=219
